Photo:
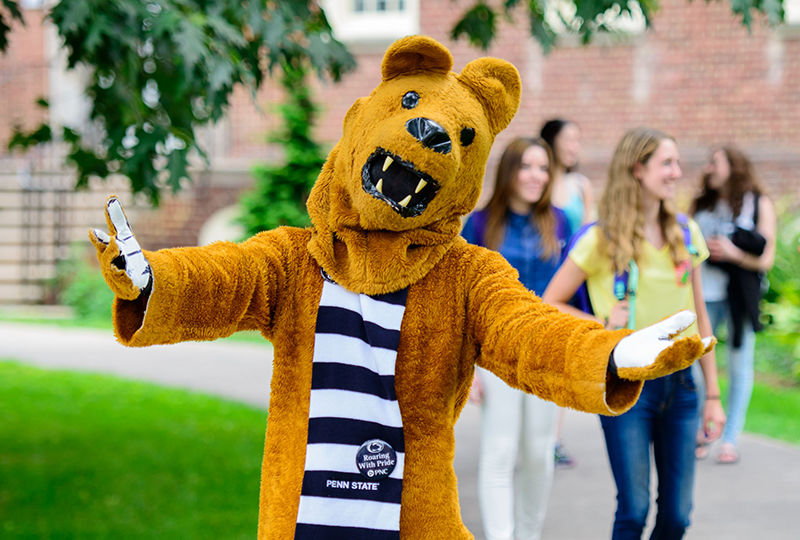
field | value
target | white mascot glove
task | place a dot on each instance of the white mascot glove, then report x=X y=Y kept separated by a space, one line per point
x=124 y=266
x=650 y=353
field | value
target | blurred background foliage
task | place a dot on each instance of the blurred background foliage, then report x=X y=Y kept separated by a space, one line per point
x=781 y=304
x=159 y=69
x=585 y=18
x=79 y=284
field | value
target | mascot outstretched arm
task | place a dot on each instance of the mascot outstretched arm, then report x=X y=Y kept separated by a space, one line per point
x=379 y=312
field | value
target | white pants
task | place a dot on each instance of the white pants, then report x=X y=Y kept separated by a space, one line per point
x=514 y=425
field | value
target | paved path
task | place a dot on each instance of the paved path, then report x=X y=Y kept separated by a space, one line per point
x=234 y=369
x=757 y=499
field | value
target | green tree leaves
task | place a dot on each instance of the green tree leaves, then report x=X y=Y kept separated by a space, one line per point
x=478 y=24
x=159 y=69
x=8 y=14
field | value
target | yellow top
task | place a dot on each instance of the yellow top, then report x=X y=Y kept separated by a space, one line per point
x=661 y=291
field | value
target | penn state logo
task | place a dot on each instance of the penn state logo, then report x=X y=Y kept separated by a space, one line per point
x=376 y=459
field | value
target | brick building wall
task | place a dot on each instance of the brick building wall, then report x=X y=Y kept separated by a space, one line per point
x=697 y=74
x=23 y=76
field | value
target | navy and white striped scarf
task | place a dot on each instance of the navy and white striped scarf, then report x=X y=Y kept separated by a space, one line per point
x=352 y=401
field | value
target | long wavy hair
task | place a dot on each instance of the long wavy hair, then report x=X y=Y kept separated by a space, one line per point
x=742 y=179
x=542 y=216
x=620 y=212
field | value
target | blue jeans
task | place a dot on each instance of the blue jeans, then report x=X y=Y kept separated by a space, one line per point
x=666 y=418
x=740 y=372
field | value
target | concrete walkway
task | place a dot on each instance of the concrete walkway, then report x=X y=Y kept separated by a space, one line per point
x=759 y=498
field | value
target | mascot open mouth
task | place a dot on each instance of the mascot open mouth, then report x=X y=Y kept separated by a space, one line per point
x=389 y=178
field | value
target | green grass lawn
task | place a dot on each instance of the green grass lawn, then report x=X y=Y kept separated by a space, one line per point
x=774 y=410
x=95 y=456
x=86 y=455
x=775 y=405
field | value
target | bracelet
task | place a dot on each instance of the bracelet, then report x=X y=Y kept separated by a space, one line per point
x=714 y=397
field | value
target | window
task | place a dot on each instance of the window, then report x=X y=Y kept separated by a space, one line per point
x=362 y=6
x=372 y=20
x=561 y=15
x=791 y=12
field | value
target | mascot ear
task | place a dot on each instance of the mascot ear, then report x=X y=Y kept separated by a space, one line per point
x=496 y=84
x=413 y=54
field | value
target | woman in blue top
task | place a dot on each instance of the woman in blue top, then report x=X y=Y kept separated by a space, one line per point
x=530 y=233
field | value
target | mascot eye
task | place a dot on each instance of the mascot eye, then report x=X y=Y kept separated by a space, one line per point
x=410 y=100
x=467 y=134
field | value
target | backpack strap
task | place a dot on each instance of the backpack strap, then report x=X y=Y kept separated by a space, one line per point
x=756 y=196
x=479 y=219
x=621 y=285
x=563 y=233
x=561 y=224
x=626 y=285
x=632 y=277
x=683 y=221
x=581 y=299
x=577 y=236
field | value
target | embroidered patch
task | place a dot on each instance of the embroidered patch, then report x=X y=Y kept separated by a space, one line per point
x=683 y=270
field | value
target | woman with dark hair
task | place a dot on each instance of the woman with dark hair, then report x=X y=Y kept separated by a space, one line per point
x=519 y=222
x=639 y=234
x=572 y=191
x=738 y=221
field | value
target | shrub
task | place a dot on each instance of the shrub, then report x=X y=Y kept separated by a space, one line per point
x=781 y=306
x=80 y=285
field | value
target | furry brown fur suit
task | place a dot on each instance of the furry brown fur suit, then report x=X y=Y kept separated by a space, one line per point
x=371 y=235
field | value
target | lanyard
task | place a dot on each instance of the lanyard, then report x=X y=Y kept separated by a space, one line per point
x=633 y=285
x=626 y=284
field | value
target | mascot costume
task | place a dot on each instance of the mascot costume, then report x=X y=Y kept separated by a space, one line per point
x=379 y=311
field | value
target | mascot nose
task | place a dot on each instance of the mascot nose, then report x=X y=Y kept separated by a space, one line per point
x=430 y=134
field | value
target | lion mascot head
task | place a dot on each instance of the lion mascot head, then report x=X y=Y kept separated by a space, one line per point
x=410 y=163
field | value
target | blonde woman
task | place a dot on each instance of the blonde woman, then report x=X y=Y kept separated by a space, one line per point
x=519 y=222
x=638 y=231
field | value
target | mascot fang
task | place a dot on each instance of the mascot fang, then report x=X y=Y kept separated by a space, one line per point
x=379 y=312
